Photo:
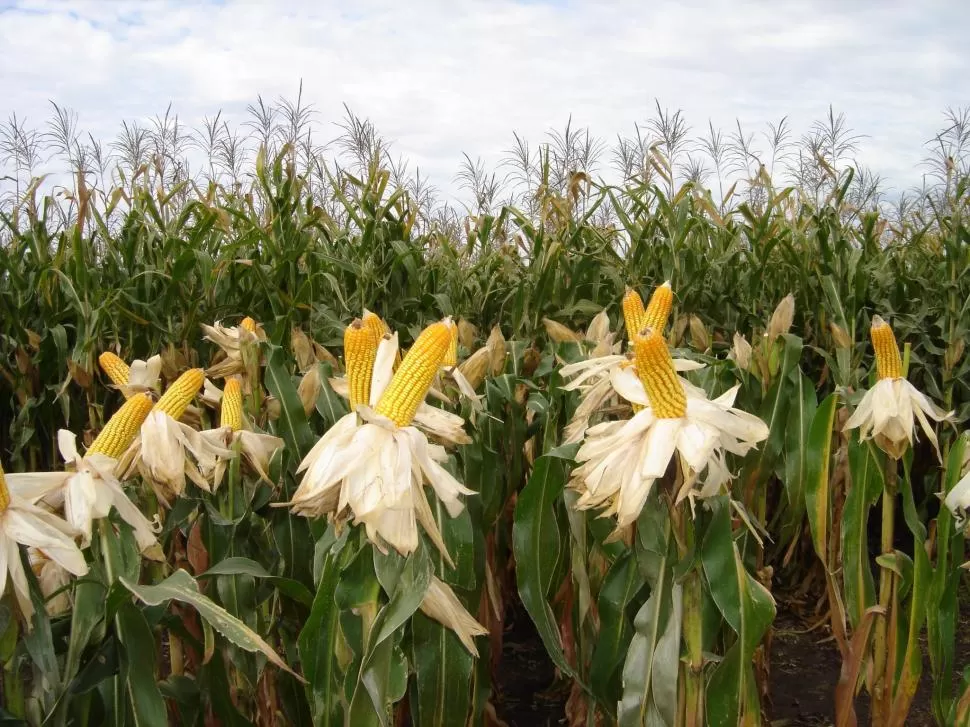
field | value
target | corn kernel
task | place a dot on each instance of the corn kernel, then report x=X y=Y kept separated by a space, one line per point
x=655 y=368
x=360 y=352
x=889 y=365
x=414 y=377
x=231 y=409
x=115 y=369
x=121 y=429
x=658 y=309
x=177 y=397
x=451 y=357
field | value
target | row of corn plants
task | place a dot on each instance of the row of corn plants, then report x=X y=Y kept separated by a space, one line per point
x=267 y=465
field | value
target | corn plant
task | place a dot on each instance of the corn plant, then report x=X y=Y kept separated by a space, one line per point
x=249 y=498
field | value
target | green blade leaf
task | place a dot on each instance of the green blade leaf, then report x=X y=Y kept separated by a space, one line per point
x=145 y=698
x=817 y=496
x=293 y=425
x=537 y=547
x=180 y=586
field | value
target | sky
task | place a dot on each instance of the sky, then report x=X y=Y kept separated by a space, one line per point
x=443 y=78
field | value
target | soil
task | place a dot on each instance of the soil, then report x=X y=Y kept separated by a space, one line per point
x=528 y=691
x=805 y=666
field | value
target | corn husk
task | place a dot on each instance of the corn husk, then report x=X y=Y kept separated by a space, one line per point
x=741 y=352
x=497 y=351
x=781 y=320
x=560 y=333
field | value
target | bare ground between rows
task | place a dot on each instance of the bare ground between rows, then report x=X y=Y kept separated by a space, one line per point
x=805 y=667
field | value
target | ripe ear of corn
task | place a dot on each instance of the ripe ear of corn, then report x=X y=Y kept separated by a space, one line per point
x=178 y=396
x=379 y=327
x=414 y=377
x=360 y=352
x=248 y=324
x=634 y=314
x=231 y=409
x=375 y=324
x=889 y=365
x=115 y=369
x=451 y=356
x=121 y=429
x=658 y=309
x=656 y=370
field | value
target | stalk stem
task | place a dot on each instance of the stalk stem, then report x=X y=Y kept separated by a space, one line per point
x=692 y=668
x=693 y=638
x=882 y=681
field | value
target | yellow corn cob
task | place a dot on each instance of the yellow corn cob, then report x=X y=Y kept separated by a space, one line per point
x=115 y=369
x=888 y=363
x=634 y=315
x=121 y=429
x=656 y=370
x=4 y=492
x=360 y=350
x=411 y=381
x=658 y=309
x=451 y=356
x=177 y=396
x=231 y=413
x=248 y=324
x=380 y=329
x=375 y=324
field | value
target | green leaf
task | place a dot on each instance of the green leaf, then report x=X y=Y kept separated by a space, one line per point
x=237 y=565
x=317 y=642
x=648 y=668
x=622 y=583
x=942 y=607
x=866 y=476
x=329 y=404
x=747 y=607
x=292 y=424
x=800 y=415
x=443 y=675
x=537 y=546
x=406 y=597
x=817 y=496
x=180 y=586
x=138 y=666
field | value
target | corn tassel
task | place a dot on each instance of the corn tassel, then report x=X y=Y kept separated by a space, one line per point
x=655 y=368
x=411 y=382
x=231 y=410
x=889 y=365
x=115 y=369
x=121 y=429
x=177 y=397
x=360 y=351
x=4 y=492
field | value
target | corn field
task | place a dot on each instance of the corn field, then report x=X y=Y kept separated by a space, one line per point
x=288 y=438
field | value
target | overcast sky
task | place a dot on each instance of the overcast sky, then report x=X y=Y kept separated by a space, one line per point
x=442 y=78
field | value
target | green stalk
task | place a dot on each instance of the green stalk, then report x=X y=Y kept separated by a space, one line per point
x=883 y=680
x=13 y=689
x=692 y=620
x=693 y=639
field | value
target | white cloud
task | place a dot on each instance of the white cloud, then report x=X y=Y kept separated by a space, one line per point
x=440 y=78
